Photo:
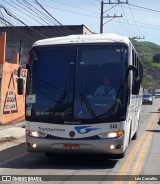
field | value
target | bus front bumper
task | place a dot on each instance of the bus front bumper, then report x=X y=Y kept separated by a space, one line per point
x=104 y=146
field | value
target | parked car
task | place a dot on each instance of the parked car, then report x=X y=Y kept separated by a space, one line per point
x=147 y=99
x=157 y=93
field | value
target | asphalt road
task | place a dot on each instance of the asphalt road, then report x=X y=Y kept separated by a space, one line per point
x=142 y=159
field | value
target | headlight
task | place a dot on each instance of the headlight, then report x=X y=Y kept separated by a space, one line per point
x=111 y=134
x=35 y=133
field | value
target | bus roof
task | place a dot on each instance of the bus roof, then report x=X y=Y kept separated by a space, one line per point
x=82 y=39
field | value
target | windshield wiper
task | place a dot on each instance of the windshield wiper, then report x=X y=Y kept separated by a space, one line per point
x=114 y=108
x=87 y=104
x=62 y=97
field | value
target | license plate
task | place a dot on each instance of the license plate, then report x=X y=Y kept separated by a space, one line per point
x=71 y=146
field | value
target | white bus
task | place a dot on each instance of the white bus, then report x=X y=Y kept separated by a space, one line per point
x=62 y=112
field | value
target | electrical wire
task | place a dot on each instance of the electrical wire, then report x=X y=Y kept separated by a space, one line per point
x=127 y=21
x=121 y=25
x=88 y=10
x=31 y=15
x=19 y=20
x=135 y=21
x=149 y=9
x=9 y=23
x=43 y=17
x=68 y=30
x=93 y=4
x=3 y=16
x=31 y=11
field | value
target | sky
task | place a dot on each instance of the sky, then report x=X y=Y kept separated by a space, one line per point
x=140 y=18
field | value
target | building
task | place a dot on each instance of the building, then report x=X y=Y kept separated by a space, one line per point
x=21 y=38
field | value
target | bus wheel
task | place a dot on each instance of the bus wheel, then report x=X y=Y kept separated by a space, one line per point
x=135 y=136
x=50 y=155
x=119 y=156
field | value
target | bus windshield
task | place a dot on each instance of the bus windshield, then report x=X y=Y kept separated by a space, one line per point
x=68 y=83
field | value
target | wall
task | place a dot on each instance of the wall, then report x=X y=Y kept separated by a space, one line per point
x=21 y=38
x=11 y=104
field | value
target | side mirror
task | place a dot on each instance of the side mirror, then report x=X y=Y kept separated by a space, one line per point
x=136 y=80
x=136 y=86
x=20 y=81
x=20 y=86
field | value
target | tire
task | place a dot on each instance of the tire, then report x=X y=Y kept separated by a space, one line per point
x=50 y=155
x=135 y=136
x=136 y=133
x=119 y=156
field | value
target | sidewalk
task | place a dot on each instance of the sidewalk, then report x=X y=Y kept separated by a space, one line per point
x=11 y=132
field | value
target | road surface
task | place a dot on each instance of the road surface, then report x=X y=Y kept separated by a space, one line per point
x=141 y=162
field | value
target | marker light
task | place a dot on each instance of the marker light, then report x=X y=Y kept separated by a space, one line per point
x=34 y=145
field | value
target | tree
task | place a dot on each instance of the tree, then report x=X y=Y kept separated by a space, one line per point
x=156 y=58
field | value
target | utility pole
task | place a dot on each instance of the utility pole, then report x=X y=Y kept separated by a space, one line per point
x=108 y=16
x=101 y=18
x=20 y=51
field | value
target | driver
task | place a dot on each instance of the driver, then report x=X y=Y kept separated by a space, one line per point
x=105 y=89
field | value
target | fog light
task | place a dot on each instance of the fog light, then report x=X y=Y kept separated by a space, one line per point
x=118 y=146
x=112 y=146
x=34 y=145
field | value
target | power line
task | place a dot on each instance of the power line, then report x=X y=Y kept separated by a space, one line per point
x=88 y=10
x=135 y=21
x=35 y=14
x=121 y=25
x=69 y=31
x=145 y=26
x=77 y=13
x=127 y=21
x=30 y=13
x=93 y=4
x=16 y=18
x=16 y=29
x=157 y=11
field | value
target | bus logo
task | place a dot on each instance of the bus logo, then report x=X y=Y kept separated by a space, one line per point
x=85 y=129
x=71 y=134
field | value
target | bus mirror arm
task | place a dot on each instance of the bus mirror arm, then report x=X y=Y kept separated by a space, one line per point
x=133 y=68
x=24 y=66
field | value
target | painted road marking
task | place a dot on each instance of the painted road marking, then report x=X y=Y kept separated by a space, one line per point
x=14 y=158
x=135 y=149
x=140 y=159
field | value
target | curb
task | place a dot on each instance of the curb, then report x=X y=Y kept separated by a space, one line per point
x=11 y=133
x=7 y=139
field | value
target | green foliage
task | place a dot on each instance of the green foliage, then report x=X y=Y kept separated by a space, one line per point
x=150 y=55
x=156 y=58
x=156 y=66
x=147 y=81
